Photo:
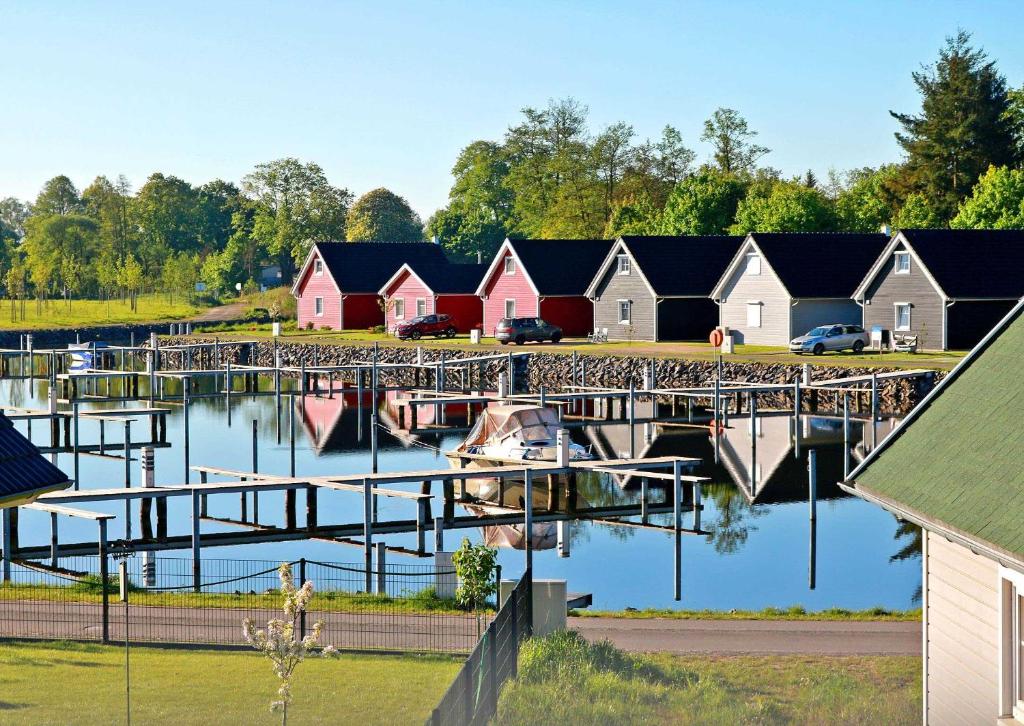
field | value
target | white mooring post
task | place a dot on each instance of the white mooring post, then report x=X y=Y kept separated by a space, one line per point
x=564 y=529
x=382 y=579
x=562 y=447
x=148 y=479
x=528 y=519
x=677 y=523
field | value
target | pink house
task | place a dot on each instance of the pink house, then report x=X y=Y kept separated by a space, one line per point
x=338 y=285
x=424 y=289
x=542 y=278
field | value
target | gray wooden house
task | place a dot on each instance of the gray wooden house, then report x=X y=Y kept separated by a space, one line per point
x=953 y=468
x=780 y=285
x=658 y=288
x=948 y=287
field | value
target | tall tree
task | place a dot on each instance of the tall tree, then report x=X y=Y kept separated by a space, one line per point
x=612 y=154
x=963 y=126
x=864 y=200
x=109 y=203
x=380 y=215
x=166 y=213
x=295 y=206
x=655 y=167
x=784 y=206
x=217 y=204
x=704 y=203
x=997 y=201
x=917 y=213
x=58 y=196
x=732 y=139
x=13 y=213
x=1015 y=118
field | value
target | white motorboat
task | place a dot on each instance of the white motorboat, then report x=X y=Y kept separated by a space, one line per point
x=517 y=433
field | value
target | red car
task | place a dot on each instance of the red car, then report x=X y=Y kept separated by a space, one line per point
x=440 y=326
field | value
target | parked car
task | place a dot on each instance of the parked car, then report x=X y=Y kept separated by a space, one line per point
x=831 y=337
x=521 y=330
x=440 y=326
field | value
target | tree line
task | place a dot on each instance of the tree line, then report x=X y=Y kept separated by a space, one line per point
x=549 y=177
x=552 y=177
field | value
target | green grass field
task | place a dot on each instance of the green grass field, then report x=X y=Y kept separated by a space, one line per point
x=68 y=684
x=563 y=679
x=55 y=313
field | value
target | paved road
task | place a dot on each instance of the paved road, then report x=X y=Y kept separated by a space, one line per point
x=234 y=311
x=754 y=637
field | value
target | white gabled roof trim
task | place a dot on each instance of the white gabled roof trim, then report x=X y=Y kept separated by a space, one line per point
x=499 y=255
x=305 y=266
x=741 y=255
x=883 y=259
x=620 y=247
x=394 y=278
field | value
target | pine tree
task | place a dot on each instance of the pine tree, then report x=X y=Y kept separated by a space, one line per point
x=962 y=129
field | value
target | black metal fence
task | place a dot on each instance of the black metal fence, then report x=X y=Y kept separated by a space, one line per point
x=472 y=697
x=405 y=608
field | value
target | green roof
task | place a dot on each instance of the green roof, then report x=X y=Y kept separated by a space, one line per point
x=957 y=462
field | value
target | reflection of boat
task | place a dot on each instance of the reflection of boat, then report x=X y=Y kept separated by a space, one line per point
x=523 y=433
x=84 y=356
x=489 y=496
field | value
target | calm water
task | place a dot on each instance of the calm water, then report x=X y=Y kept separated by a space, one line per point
x=757 y=556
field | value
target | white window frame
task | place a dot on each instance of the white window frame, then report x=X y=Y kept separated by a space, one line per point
x=1011 y=644
x=318 y=307
x=318 y=267
x=399 y=308
x=897 y=269
x=510 y=265
x=507 y=301
x=751 y=322
x=753 y=264
x=628 y=319
x=623 y=263
x=896 y=315
x=421 y=306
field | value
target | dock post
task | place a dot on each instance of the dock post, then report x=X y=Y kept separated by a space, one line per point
x=644 y=503
x=874 y=398
x=5 y=525
x=564 y=535
x=421 y=525
x=127 y=478
x=796 y=418
x=696 y=505
x=102 y=552
x=632 y=419
x=291 y=438
x=677 y=523
x=255 y=469
x=311 y=508
x=74 y=413
x=148 y=481
x=227 y=389
x=528 y=518
x=54 y=548
x=714 y=423
x=438 y=534
x=753 y=445
x=367 y=536
x=382 y=580
x=196 y=561
x=812 y=500
x=846 y=435
x=186 y=384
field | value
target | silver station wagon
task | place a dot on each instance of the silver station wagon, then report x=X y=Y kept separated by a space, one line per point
x=831 y=337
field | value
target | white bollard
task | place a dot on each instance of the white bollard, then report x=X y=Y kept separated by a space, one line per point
x=562 y=447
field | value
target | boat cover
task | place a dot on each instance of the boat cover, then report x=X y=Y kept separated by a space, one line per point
x=529 y=423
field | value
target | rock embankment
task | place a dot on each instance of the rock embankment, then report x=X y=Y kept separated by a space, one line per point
x=555 y=371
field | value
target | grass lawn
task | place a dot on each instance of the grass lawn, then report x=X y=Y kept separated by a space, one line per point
x=795 y=612
x=671 y=350
x=55 y=313
x=563 y=679
x=66 y=684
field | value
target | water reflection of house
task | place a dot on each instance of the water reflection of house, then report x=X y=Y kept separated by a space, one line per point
x=332 y=423
x=775 y=474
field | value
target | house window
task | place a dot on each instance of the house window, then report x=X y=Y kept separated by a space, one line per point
x=754 y=315
x=1012 y=645
x=624 y=311
x=623 y=264
x=421 y=306
x=318 y=267
x=902 y=263
x=753 y=265
x=902 y=316
x=510 y=265
x=510 y=308
x=318 y=306
x=399 y=308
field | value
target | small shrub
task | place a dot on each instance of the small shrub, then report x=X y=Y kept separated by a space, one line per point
x=309 y=325
x=378 y=329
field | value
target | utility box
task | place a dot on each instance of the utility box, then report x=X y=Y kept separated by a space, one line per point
x=445 y=580
x=549 y=604
x=728 y=346
x=276 y=329
x=474 y=336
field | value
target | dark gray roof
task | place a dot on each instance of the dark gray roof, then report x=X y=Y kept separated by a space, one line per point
x=821 y=264
x=23 y=470
x=561 y=266
x=365 y=266
x=685 y=266
x=972 y=263
x=451 y=278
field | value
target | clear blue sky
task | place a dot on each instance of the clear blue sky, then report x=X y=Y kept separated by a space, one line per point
x=387 y=93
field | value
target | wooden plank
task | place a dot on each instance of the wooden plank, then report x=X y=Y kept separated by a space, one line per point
x=66 y=511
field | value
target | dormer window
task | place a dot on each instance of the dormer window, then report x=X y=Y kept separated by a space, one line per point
x=753 y=264
x=318 y=267
x=623 y=264
x=510 y=265
x=902 y=263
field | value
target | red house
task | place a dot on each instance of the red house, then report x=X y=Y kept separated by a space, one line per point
x=543 y=278
x=338 y=285
x=425 y=289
